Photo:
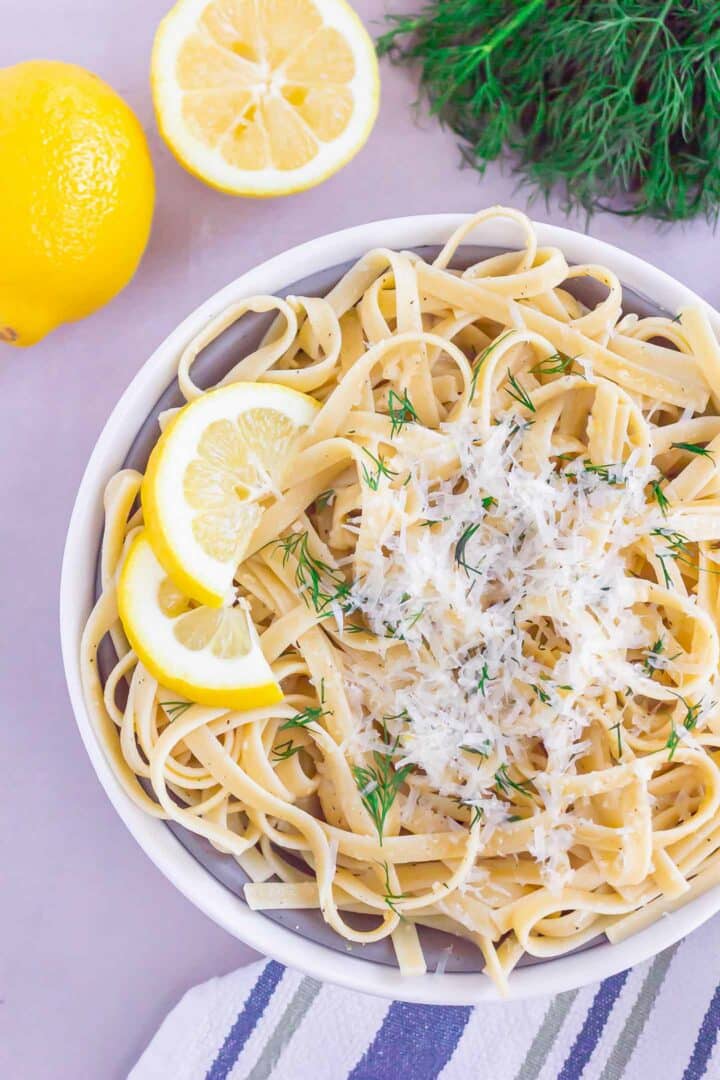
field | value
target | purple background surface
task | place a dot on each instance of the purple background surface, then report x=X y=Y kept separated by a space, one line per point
x=96 y=945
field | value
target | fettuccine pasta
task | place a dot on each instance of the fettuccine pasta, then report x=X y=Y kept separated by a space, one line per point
x=488 y=583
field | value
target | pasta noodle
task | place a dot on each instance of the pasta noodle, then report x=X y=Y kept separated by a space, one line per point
x=488 y=581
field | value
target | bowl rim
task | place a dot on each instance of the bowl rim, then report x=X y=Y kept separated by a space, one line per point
x=76 y=596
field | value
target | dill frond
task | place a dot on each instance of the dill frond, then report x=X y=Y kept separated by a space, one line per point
x=612 y=106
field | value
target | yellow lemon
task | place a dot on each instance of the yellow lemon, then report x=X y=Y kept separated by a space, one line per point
x=209 y=655
x=76 y=196
x=264 y=97
x=209 y=478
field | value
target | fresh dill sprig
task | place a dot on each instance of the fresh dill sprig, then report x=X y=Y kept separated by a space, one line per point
x=506 y=784
x=379 y=784
x=519 y=393
x=402 y=715
x=391 y=898
x=557 y=364
x=488 y=501
x=677 y=545
x=608 y=473
x=401 y=411
x=480 y=360
x=381 y=468
x=174 y=709
x=612 y=106
x=692 y=712
x=672 y=741
x=660 y=497
x=324 y=585
x=617 y=728
x=476 y=812
x=483 y=679
x=399 y=629
x=541 y=694
x=650 y=663
x=693 y=448
x=678 y=550
x=459 y=554
x=692 y=715
x=481 y=751
x=311 y=715
x=285 y=750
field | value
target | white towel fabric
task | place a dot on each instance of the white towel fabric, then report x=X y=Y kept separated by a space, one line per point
x=658 y=1021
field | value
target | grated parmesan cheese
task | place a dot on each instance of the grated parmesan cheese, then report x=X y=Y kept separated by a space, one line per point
x=512 y=615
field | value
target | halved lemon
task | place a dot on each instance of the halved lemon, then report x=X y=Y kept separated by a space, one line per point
x=209 y=655
x=264 y=97
x=209 y=475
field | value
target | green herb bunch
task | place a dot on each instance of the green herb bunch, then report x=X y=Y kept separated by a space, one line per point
x=615 y=104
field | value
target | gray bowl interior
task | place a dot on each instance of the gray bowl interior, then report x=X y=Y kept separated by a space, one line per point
x=213 y=363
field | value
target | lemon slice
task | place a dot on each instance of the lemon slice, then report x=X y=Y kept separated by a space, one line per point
x=264 y=97
x=209 y=655
x=207 y=478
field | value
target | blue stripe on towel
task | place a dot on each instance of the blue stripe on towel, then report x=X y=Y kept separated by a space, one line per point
x=414 y=1041
x=593 y=1027
x=705 y=1042
x=246 y=1020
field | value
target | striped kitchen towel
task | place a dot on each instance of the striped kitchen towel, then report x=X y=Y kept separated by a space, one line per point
x=658 y=1021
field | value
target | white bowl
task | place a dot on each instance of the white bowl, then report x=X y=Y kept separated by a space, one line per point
x=77 y=595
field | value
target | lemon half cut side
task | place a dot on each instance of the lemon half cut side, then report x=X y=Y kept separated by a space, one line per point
x=264 y=97
x=209 y=476
x=209 y=655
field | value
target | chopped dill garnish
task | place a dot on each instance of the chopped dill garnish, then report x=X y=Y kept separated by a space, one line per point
x=506 y=784
x=678 y=550
x=518 y=393
x=608 y=473
x=325 y=498
x=660 y=497
x=693 y=448
x=323 y=584
x=174 y=709
x=461 y=545
x=308 y=716
x=478 y=363
x=390 y=897
x=404 y=715
x=677 y=318
x=401 y=411
x=481 y=751
x=488 y=501
x=672 y=742
x=483 y=680
x=399 y=629
x=557 y=364
x=372 y=478
x=541 y=693
x=356 y=628
x=692 y=712
x=379 y=784
x=617 y=728
x=285 y=750
x=692 y=715
x=650 y=663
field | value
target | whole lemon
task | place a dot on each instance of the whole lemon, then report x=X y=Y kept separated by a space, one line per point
x=76 y=196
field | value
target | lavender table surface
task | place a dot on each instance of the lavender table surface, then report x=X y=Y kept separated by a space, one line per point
x=96 y=944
